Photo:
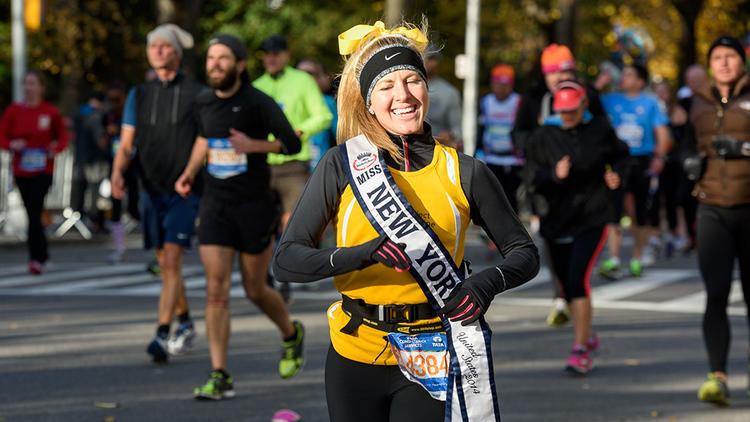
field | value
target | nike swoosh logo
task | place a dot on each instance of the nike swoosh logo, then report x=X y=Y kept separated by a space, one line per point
x=392 y=56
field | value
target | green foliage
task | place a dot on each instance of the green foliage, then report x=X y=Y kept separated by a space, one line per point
x=84 y=44
x=311 y=27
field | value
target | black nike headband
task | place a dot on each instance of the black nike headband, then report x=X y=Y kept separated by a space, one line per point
x=384 y=61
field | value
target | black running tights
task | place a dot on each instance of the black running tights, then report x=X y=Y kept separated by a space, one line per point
x=723 y=238
x=375 y=393
x=33 y=190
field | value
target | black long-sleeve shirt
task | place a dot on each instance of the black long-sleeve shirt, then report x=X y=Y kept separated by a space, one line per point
x=255 y=114
x=582 y=200
x=299 y=260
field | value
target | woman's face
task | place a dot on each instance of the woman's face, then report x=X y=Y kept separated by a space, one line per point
x=400 y=102
x=32 y=87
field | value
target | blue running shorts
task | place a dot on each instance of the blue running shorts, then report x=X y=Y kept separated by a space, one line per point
x=168 y=218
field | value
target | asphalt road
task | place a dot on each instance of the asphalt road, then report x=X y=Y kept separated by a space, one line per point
x=74 y=340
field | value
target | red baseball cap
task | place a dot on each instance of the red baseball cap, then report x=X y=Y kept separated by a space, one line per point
x=569 y=96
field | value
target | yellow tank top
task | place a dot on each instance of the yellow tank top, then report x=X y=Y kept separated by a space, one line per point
x=436 y=195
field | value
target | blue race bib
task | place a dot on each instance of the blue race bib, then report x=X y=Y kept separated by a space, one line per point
x=423 y=359
x=223 y=161
x=33 y=159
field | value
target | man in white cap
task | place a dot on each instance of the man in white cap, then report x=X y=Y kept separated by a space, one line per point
x=159 y=119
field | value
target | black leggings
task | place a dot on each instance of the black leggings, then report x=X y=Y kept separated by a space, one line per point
x=723 y=237
x=33 y=190
x=131 y=182
x=573 y=261
x=676 y=188
x=375 y=393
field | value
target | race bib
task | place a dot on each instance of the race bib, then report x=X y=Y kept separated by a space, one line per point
x=33 y=159
x=223 y=161
x=423 y=359
x=44 y=122
x=631 y=133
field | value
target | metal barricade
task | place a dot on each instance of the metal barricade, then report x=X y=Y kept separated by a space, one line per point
x=59 y=196
x=13 y=219
x=6 y=187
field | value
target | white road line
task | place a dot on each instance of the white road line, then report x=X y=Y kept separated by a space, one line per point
x=620 y=304
x=106 y=280
x=698 y=299
x=13 y=270
x=651 y=279
x=191 y=283
x=65 y=274
x=109 y=282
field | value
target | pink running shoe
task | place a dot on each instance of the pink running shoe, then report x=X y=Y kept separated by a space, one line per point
x=593 y=343
x=285 y=415
x=36 y=268
x=579 y=362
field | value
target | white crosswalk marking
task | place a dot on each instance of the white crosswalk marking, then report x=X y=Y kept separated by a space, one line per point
x=650 y=280
x=698 y=299
x=131 y=280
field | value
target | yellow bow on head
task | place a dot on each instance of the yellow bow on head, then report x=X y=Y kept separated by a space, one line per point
x=351 y=39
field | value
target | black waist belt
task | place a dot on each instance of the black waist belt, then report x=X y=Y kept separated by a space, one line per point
x=389 y=318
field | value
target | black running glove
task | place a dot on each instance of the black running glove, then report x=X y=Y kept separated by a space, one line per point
x=381 y=249
x=471 y=299
x=730 y=147
x=391 y=254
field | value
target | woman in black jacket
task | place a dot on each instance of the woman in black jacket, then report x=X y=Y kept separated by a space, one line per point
x=572 y=162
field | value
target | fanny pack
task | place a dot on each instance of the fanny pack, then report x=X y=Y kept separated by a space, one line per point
x=389 y=318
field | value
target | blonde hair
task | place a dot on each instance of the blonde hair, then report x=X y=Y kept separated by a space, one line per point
x=354 y=117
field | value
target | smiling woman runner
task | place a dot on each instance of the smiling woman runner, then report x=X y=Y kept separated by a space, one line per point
x=409 y=341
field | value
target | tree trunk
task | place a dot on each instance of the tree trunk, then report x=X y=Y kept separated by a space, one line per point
x=564 y=27
x=394 y=12
x=184 y=13
x=689 y=10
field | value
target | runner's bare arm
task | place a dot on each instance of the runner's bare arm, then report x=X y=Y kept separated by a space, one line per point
x=122 y=161
x=184 y=183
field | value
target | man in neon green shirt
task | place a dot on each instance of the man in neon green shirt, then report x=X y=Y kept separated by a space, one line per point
x=299 y=97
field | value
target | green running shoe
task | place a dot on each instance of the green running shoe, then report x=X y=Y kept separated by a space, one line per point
x=610 y=269
x=219 y=386
x=292 y=357
x=714 y=391
x=558 y=316
x=636 y=268
x=153 y=267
